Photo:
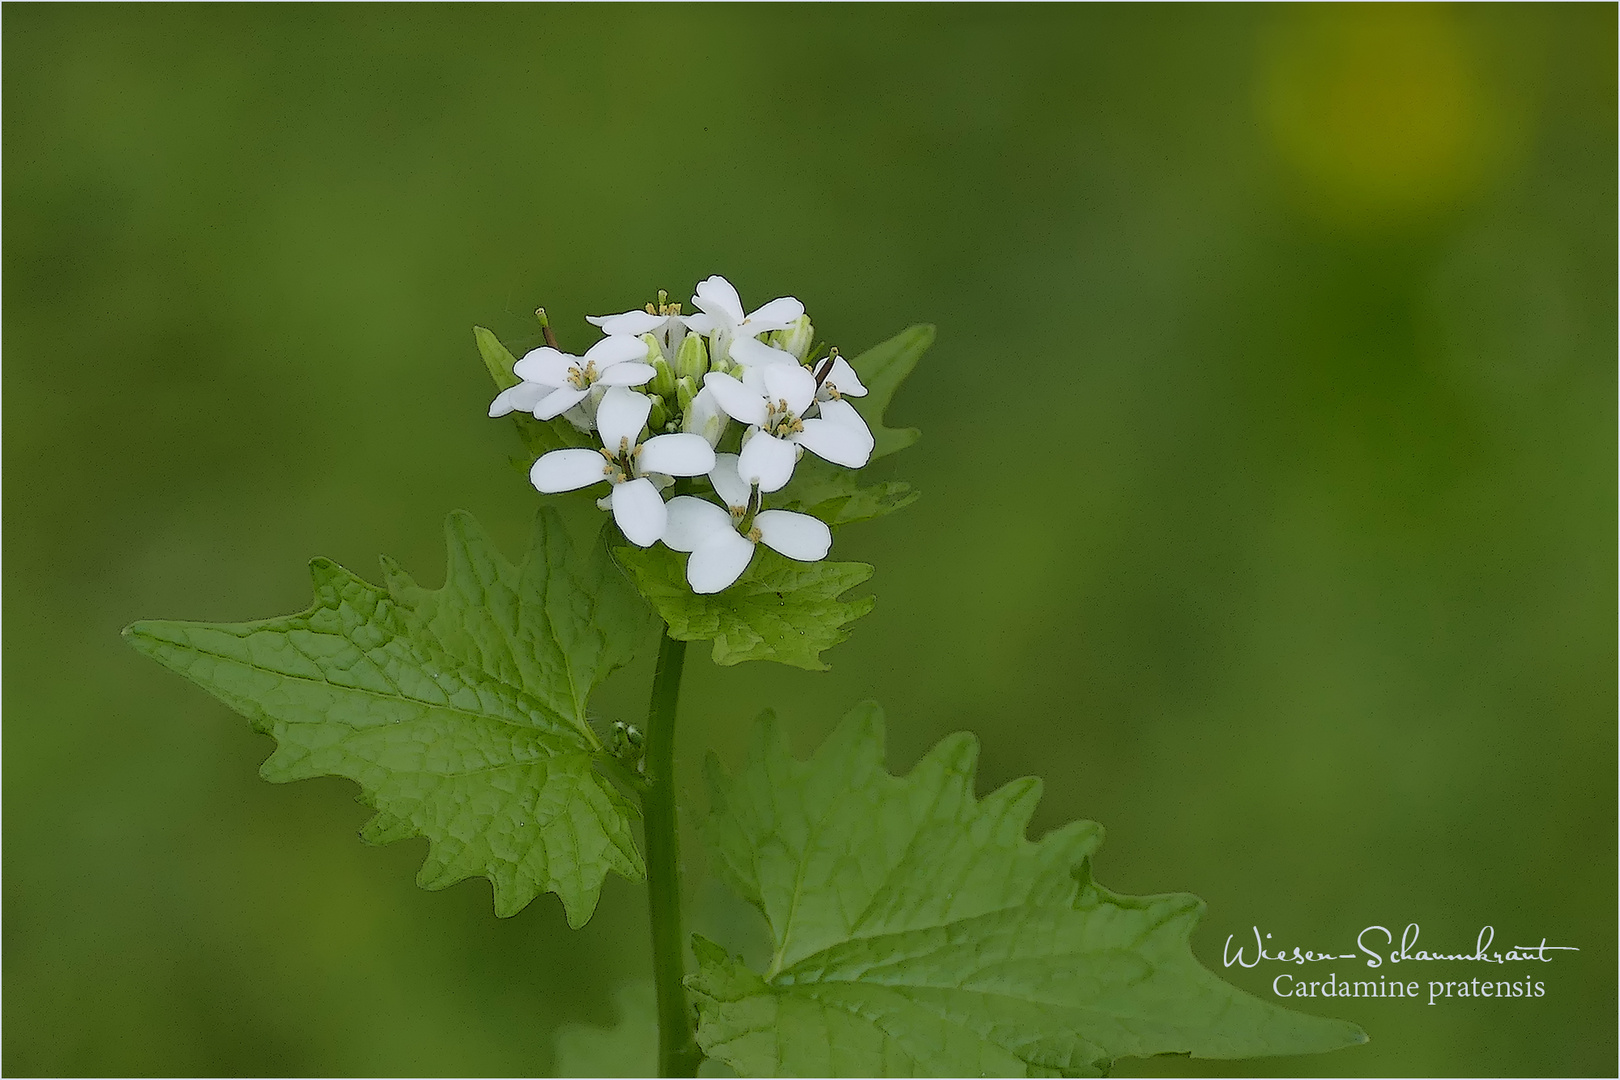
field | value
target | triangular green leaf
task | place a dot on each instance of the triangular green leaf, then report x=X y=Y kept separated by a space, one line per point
x=629 y=1048
x=882 y=368
x=457 y=710
x=836 y=496
x=916 y=932
x=778 y=610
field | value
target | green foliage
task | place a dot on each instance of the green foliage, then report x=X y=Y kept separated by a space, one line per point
x=916 y=931
x=629 y=1048
x=498 y=359
x=556 y=624
x=778 y=610
x=835 y=495
x=459 y=711
x=883 y=368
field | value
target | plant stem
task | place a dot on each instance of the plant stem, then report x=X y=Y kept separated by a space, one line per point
x=678 y=1054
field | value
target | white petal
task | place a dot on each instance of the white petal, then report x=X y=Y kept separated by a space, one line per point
x=634 y=323
x=846 y=415
x=798 y=536
x=565 y=470
x=621 y=416
x=718 y=561
x=626 y=374
x=700 y=323
x=525 y=396
x=748 y=351
x=753 y=377
x=545 y=365
x=790 y=383
x=843 y=376
x=615 y=350
x=717 y=297
x=676 y=455
x=727 y=483
x=767 y=461
x=558 y=402
x=692 y=521
x=840 y=436
x=779 y=314
x=640 y=511
x=736 y=399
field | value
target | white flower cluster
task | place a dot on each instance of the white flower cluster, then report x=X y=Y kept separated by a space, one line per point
x=661 y=389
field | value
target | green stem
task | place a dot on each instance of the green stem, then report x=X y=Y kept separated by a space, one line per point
x=678 y=1054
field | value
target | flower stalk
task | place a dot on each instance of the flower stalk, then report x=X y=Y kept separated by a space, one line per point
x=678 y=1054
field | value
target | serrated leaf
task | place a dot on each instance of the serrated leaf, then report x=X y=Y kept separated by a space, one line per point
x=556 y=624
x=539 y=436
x=916 y=932
x=629 y=1048
x=836 y=496
x=882 y=369
x=456 y=710
x=778 y=610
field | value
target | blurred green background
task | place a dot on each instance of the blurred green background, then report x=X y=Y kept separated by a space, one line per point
x=1268 y=460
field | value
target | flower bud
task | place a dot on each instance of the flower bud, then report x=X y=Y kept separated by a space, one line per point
x=663 y=381
x=658 y=416
x=686 y=389
x=655 y=351
x=692 y=362
x=796 y=339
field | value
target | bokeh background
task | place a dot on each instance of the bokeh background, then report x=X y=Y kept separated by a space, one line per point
x=1268 y=460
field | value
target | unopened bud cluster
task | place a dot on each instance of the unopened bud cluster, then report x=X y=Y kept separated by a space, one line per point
x=661 y=390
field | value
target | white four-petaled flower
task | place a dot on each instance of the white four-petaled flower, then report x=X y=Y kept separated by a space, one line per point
x=786 y=406
x=721 y=548
x=613 y=361
x=630 y=465
x=772 y=398
x=720 y=315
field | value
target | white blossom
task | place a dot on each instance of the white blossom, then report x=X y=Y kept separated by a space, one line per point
x=772 y=399
x=694 y=374
x=635 y=469
x=721 y=541
x=720 y=315
x=613 y=361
